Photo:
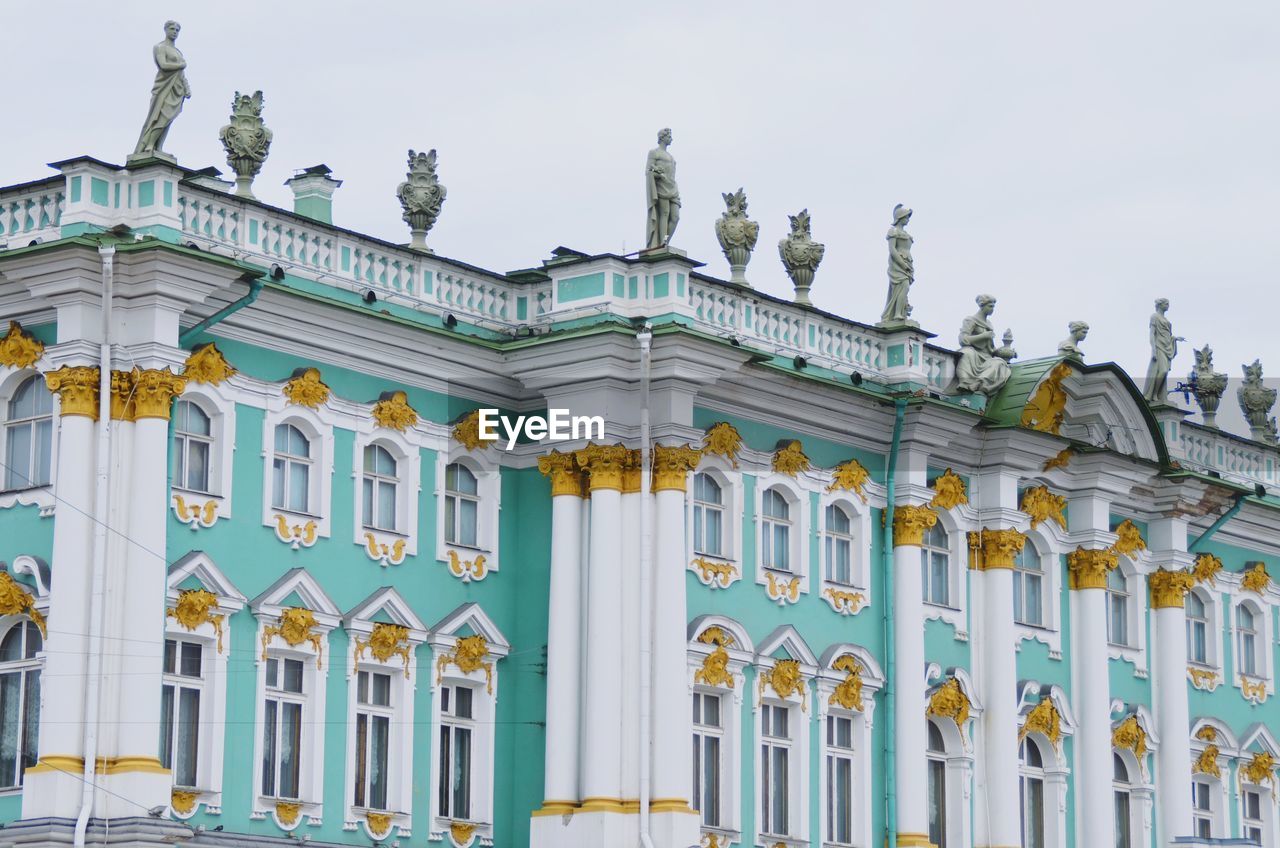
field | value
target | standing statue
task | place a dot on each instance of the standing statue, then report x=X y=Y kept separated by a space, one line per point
x=801 y=256
x=167 y=94
x=902 y=269
x=246 y=140
x=982 y=368
x=1164 y=347
x=662 y=192
x=1256 y=401
x=737 y=235
x=421 y=196
x=1070 y=346
x=1207 y=385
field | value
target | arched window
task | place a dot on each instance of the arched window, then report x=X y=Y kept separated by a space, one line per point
x=1118 y=608
x=1028 y=588
x=291 y=470
x=192 y=447
x=379 y=488
x=708 y=516
x=775 y=531
x=1247 y=632
x=461 y=505
x=935 y=566
x=1031 y=794
x=29 y=436
x=1197 y=629
x=837 y=545
x=19 y=701
x=937 y=790
x=1123 y=791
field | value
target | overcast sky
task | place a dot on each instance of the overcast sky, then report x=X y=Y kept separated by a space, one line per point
x=1074 y=160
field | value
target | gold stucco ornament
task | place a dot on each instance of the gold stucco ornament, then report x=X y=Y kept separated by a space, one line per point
x=949 y=491
x=182 y=801
x=717 y=575
x=306 y=389
x=785 y=679
x=379 y=823
x=207 y=365
x=950 y=701
x=195 y=515
x=850 y=476
x=1256 y=579
x=1206 y=569
x=77 y=388
x=1000 y=548
x=154 y=391
x=604 y=465
x=18 y=349
x=466 y=431
x=790 y=459
x=462 y=833
x=671 y=466
x=1207 y=762
x=467 y=569
x=1045 y=720
x=15 y=600
x=1129 y=540
x=387 y=554
x=1253 y=690
x=1045 y=410
x=715 y=666
x=386 y=641
x=781 y=589
x=848 y=692
x=723 y=439
x=295 y=626
x=287 y=812
x=845 y=602
x=1043 y=505
x=1203 y=678
x=1088 y=568
x=1261 y=769
x=566 y=478
x=1169 y=588
x=195 y=607
x=1130 y=735
x=1059 y=460
x=394 y=412
x=468 y=655
x=302 y=534
x=910 y=524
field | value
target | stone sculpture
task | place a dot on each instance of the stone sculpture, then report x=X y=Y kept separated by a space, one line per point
x=662 y=192
x=1207 y=385
x=982 y=368
x=737 y=235
x=1256 y=401
x=1164 y=347
x=167 y=95
x=246 y=140
x=421 y=196
x=801 y=256
x=902 y=270
x=1070 y=346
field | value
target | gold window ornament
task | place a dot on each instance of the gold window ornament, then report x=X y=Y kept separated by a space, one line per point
x=468 y=655
x=723 y=439
x=305 y=388
x=466 y=431
x=1043 y=505
x=850 y=476
x=19 y=349
x=715 y=666
x=950 y=701
x=16 y=600
x=386 y=641
x=949 y=491
x=1045 y=720
x=1130 y=736
x=195 y=607
x=295 y=626
x=394 y=412
x=790 y=458
x=208 y=366
x=785 y=679
x=848 y=692
x=1256 y=579
x=1206 y=569
x=1129 y=540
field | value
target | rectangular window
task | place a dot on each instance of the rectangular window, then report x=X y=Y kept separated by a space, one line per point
x=1031 y=790
x=1251 y=815
x=839 y=779
x=282 y=729
x=708 y=523
x=934 y=577
x=775 y=545
x=460 y=520
x=456 y=732
x=1202 y=810
x=775 y=753
x=839 y=554
x=707 y=733
x=373 y=734
x=1197 y=642
x=1118 y=618
x=19 y=723
x=1124 y=838
x=180 y=710
x=1027 y=597
x=1248 y=653
x=937 y=800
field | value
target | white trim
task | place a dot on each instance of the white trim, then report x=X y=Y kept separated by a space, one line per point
x=799 y=726
x=488 y=472
x=740 y=656
x=863 y=724
x=43 y=497
x=1213 y=608
x=1135 y=653
x=379 y=544
x=956 y=612
x=859 y=571
x=319 y=430
x=779 y=588
x=221 y=409
x=730 y=480
x=1263 y=644
x=1052 y=567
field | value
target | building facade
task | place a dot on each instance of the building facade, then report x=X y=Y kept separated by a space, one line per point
x=264 y=580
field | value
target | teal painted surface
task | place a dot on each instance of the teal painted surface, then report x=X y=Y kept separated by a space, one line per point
x=522 y=308
x=680 y=285
x=117 y=195
x=76 y=188
x=316 y=208
x=619 y=285
x=896 y=355
x=253 y=236
x=99 y=191
x=147 y=193
x=578 y=288
x=764 y=437
x=428 y=282
x=168 y=193
x=661 y=285
x=23 y=531
x=633 y=287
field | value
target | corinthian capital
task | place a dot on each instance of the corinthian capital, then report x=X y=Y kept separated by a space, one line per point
x=154 y=391
x=671 y=466
x=1001 y=547
x=77 y=388
x=604 y=465
x=1088 y=569
x=1169 y=588
x=910 y=524
x=563 y=471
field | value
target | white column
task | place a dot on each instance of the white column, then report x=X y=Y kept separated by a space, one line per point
x=1173 y=762
x=564 y=635
x=911 y=780
x=629 y=628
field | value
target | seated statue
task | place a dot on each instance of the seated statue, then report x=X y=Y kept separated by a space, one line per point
x=982 y=369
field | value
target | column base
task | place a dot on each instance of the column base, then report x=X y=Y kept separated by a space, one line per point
x=914 y=840
x=583 y=828
x=53 y=788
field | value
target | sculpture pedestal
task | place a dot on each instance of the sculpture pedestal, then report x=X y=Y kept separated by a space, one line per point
x=134 y=159
x=665 y=251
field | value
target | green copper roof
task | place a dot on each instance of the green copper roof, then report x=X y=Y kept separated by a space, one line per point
x=1006 y=407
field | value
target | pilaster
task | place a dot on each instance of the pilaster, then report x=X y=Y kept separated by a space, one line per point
x=909 y=525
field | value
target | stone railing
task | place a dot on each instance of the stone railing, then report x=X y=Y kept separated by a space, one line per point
x=1205 y=449
x=33 y=212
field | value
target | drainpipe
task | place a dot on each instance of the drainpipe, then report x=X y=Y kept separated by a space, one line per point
x=645 y=338
x=255 y=287
x=890 y=659
x=101 y=505
x=1217 y=525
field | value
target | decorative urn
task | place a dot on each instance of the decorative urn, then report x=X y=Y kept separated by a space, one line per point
x=801 y=256
x=421 y=196
x=246 y=140
x=1207 y=385
x=1256 y=401
x=737 y=235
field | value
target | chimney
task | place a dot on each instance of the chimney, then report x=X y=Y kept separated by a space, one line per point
x=313 y=190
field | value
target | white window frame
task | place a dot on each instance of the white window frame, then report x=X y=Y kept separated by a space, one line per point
x=1135 y=584
x=218 y=403
x=1267 y=808
x=380 y=545
x=320 y=478
x=23 y=667
x=488 y=474
x=1212 y=601
x=860 y=550
x=956 y=612
x=799 y=507
x=1212 y=792
x=1048 y=542
x=1055 y=769
x=799 y=725
x=178 y=682
x=1141 y=788
x=959 y=757
x=863 y=725
x=1264 y=646
x=731 y=487
x=42 y=497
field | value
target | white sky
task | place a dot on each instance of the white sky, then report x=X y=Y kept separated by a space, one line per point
x=1075 y=160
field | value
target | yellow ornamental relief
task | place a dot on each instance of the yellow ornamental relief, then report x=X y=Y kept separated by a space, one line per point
x=1256 y=579
x=850 y=476
x=183 y=802
x=462 y=833
x=790 y=459
x=300 y=534
x=1254 y=691
x=1203 y=678
x=604 y=465
x=394 y=412
x=717 y=575
x=287 y=812
x=910 y=524
x=468 y=655
x=1206 y=569
x=1059 y=460
x=1169 y=588
x=1130 y=539
x=122 y=408
x=949 y=491
x=195 y=607
x=295 y=626
x=386 y=641
x=1046 y=408
x=387 y=554
x=1088 y=569
x=1130 y=735
x=1261 y=769
x=715 y=667
x=723 y=439
x=379 y=823
x=1207 y=762
x=306 y=389
x=1043 y=505
x=18 y=349
x=154 y=391
x=844 y=602
x=1001 y=547
x=562 y=468
x=950 y=701
x=781 y=589
x=848 y=692
x=671 y=466
x=1045 y=720
x=77 y=389
x=785 y=679
x=208 y=366
x=1207 y=734
x=195 y=515
x=16 y=600
x=467 y=569
x=466 y=431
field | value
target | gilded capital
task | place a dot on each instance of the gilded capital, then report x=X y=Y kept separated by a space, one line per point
x=603 y=464
x=1001 y=547
x=631 y=472
x=564 y=474
x=1088 y=569
x=77 y=388
x=671 y=466
x=1169 y=588
x=910 y=524
x=122 y=408
x=154 y=391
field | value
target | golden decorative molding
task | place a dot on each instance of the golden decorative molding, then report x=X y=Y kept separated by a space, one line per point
x=461 y=833
x=394 y=412
x=195 y=607
x=154 y=391
x=950 y=701
x=1205 y=679
x=785 y=679
x=715 y=666
x=562 y=469
x=468 y=655
x=1045 y=409
x=973 y=540
x=723 y=439
x=843 y=601
x=467 y=569
x=1059 y=460
x=910 y=524
x=671 y=466
x=287 y=812
x=710 y=840
x=387 y=554
x=379 y=823
x=850 y=476
x=1261 y=769
x=1207 y=762
x=1088 y=569
x=183 y=802
x=1130 y=735
x=208 y=366
x=1253 y=690
x=195 y=515
x=717 y=575
x=305 y=388
x=1000 y=548
x=1256 y=579
x=295 y=626
x=1206 y=569
x=386 y=641
x=77 y=388
x=1207 y=734
x=1043 y=505
x=1130 y=539
x=949 y=491
x=1043 y=719
x=848 y=692
x=781 y=589
x=122 y=408
x=631 y=469
x=603 y=464
x=789 y=459
x=19 y=349
x=16 y=600
x=1169 y=588
x=466 y=431
x=295 y=535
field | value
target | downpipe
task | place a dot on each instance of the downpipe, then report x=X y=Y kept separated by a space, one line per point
x=645 y=340
x=890 y=654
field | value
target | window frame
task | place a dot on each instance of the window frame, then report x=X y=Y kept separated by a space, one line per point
x=731 y=538
x=319 y=516
x=26 y=668
x=38 y=496
x=927 y=564
x=859 y=515
x=863 y=779
x=183 y=454
x=800 y=726
x=487 y=469
x=7 y=423
x=384 y=546
x=180 y=682
x=1140 y=789
x=740 y=653
x=1264 y=644
x=218 y=403
x=778 y=582
x=1134 y=571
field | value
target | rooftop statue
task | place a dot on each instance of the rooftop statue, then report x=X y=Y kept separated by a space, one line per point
x=1256 y=401
x=167 y=94
x=982 y=368
x=1070 y=346
x=246 y=140
x=421 y=196
x=737 y=235
x=1207 y=385
x=662 y=192
x=902 y=270
x=801 y=256
x=1164 y=347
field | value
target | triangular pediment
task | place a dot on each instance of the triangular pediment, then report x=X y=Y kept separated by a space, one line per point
x=787 y=640
x=385 y=606
x=197 y=570
x=470 y=620
x=296 y=587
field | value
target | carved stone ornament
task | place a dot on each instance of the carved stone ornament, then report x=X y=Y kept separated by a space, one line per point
x=785 y=679
x=1169 y=588
x=949 y=491
x=1207 y=385
x=462 y=833
x=1043 y=505
x=1207 y=762
x=790 y=458
x=671 y=466
x=394 y=412
x=781 y=589
x=717 y=575
x=1088 y=569
x=468 y=655
x=207 y=365
x=295 y=626
x=18 y=349
x=902 y=271
x=1070 y=346
x=603 y=464
x=723 y=439
x=1045 y=410
x=737 y=235
x=1256 y=579
x=1260 y=769
x=950 y=701
x=566 y=479
x=182 y=801
x=246 y=140
x=1059 y=460
x=848 y=692
x=195 y=607
x=850 y=476
x=1130 y=539
x=16 y=600
x=1206 y=569
x=715 y=666
x=1000 y=548
x=1045 y=720
x=466 y=431
x=910 y=524
x=287 y=812
x=1256 y=401
x=1130 y=735
x=379 y=823
x=169 y=91
x=386 y=641
x=77 y=389
x=421 y=196
x=467 y=569
x=801 y=256
x=297 y=535
x=153 y=393
x=305 y=388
